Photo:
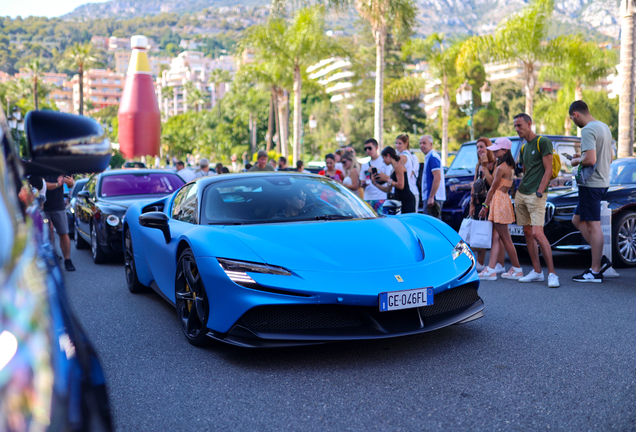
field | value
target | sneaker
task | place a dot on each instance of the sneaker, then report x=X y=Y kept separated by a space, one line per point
x=68 y=265
x=499 y=269
x=533 y=276
x=605 y=264
x=553 y=281
x=480 y=267
x=515 y=273
x=488 y=274
x=588 y=276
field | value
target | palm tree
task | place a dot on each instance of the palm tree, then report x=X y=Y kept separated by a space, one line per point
x=628 y=90
x=442 y=56
x=167 y=93
x=217 y=77
x=292 y=47
x=35 y=69
x=522 y=38
x=80 y=57
x=382 y=15
x=195 y=96
x=583 y=63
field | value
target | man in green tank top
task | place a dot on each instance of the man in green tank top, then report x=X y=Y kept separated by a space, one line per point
x=531 y=197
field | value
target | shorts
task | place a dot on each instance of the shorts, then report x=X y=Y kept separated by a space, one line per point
x=589 y=206
x=59 y=220
x=530 y=209
x=376 y=204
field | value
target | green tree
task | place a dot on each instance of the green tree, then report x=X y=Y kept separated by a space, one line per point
x=218 y=77
x=384 y=15
x=36 y=71
x=80 y=57
x=522 y=38
x=582 y=63
x=441 y=55
x=195 y=97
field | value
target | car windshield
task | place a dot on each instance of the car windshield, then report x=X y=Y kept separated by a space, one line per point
x=79 y=185
x=280 y=198
x=623 y=172
x=139 y=184
x=466 y=158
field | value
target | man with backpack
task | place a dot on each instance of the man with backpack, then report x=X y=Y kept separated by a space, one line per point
x=531 y=196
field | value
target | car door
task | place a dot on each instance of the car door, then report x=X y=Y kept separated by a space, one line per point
x=183 y=217
x=84 y=205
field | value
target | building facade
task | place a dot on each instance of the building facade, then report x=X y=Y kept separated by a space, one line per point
x=102 y=87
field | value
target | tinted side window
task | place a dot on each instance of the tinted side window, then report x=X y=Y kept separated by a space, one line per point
x=184 y=207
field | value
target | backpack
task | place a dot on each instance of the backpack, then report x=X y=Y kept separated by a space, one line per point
x=556 y=160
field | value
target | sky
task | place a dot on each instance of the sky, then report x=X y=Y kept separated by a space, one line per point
x=47 y=8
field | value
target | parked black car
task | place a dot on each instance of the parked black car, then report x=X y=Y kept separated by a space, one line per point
x=459 y=176
x=69 y=202
x=50 y=376
x=101 y=205
x=621 y=197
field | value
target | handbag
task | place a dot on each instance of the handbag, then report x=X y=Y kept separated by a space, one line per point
x=481 y=234
x=464 y=229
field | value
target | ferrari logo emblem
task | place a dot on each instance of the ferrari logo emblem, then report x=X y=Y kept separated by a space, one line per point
x=399 y=278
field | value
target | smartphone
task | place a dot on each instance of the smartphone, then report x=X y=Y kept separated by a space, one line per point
x=374 y=171
x=567 y=156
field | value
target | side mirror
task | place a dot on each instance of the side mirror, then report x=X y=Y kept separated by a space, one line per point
x=62 y=143
x=392 y=207
x=158 y=221
x=84 y=194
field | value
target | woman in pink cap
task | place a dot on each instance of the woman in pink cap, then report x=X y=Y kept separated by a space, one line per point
x=498 y=208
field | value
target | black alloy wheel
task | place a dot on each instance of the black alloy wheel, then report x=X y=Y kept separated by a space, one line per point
x=134 y=286
x=99 y=256
x=191 y=301
x=624 y=240
x=80 y=243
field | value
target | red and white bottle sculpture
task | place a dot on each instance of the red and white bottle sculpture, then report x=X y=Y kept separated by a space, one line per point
x=139 y=115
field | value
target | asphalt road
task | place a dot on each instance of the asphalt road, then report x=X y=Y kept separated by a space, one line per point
x=558 y=359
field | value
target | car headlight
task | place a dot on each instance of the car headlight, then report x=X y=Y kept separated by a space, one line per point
x=565 y=210
x=237 y=270
x=112 y=220
x=463 y=248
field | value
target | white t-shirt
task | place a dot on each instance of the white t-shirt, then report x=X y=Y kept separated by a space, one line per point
x=186 y=174
x=412 y=169
x=372 y=193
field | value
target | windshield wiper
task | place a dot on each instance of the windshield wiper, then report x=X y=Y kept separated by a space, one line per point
x=333 y=217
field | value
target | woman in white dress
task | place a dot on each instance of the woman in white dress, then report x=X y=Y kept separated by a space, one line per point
x=411 y=164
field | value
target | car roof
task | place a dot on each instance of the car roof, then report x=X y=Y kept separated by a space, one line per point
x=222 y=177
x=136 y=171
x=517 y=138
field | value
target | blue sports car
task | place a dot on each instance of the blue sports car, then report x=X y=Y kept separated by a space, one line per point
x=277 y=259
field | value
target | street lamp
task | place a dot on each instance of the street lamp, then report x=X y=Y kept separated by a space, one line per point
x=464 y=98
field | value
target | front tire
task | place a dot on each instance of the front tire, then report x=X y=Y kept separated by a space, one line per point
x=99 y=256
x=624 y=240
x=134 y=286
x=80 y=243
x=191 y=300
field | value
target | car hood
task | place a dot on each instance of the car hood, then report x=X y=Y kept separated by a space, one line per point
x=562 y=194
x=126 y=201
x=351 y=245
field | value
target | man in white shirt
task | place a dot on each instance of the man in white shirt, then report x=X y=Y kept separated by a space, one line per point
x=185 y=173
x=204 y=169
x=432 y=182
x=374 y=196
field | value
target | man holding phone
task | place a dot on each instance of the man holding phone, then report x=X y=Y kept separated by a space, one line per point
x=56 y=214
x=374 y=196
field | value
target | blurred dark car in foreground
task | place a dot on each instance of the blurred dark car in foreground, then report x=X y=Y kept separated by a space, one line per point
x=69 y=203
x=459 y=176
x=50 y=376
x=101 y=205
x=621 y=197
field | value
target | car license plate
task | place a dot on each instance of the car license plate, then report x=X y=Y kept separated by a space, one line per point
x=515 y=230
x=406 y=299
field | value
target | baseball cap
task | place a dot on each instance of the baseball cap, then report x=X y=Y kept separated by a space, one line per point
x=501 y=143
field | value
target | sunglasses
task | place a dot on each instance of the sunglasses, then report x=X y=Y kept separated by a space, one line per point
x=368 y=148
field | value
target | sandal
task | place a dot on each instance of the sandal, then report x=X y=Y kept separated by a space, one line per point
x=515 y=273
x=488 y=274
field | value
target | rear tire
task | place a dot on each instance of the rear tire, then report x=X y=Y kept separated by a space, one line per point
x=80 y=243
x=99 y=257
x=134 y=286
x=624 y=240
